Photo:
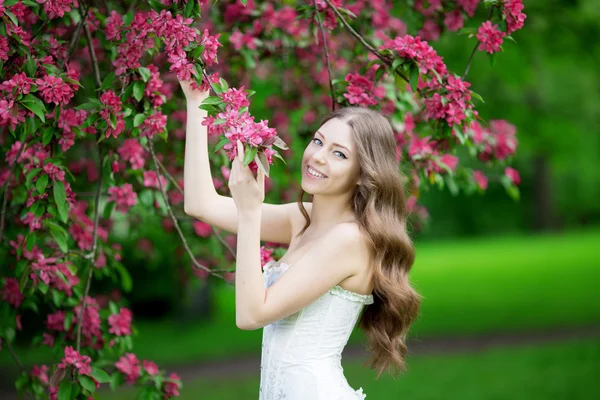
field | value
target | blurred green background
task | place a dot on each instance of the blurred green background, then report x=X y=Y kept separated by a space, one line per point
x=487 y=266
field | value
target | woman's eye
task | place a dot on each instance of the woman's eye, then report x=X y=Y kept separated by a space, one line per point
x=342 y=154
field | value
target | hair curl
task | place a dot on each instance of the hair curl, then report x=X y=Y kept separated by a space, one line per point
x=379 y=204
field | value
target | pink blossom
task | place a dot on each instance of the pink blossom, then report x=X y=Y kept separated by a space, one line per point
x=202 y=229
x=91 y=325
x=469 y=6
x=150 y=367
x=11 y=292
x=132 y=151
x=10 y=114
x=490 y=37
x=514 y=17
x=80 y=362
x=57 y=8
x=130 y=366
x=41 y=373
x=34 y=222
x=114 y=24
x=172 y=388
x=4 y=48
x=48 y=339
x=19 y=81
x=449 y=160
x=480 y=179
x=54 y=172
x=430 y=31
x=56 y=321
x=239 y=40
x=124 y=196
x=360 y=90
x=513 y=174
x=120 y=324
x=154 y=124
x=211 y=44
x=454 y=20
x=150 y=180
x=54 y=90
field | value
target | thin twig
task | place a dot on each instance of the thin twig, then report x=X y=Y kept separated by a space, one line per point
x=14 y=356
x=364 y=42
x=326 y=55
x=88 y=34
x=180 y=190
x=76 y=35
x=5 y=188
x=175 y=222
x=92 y=255
x=475 y=49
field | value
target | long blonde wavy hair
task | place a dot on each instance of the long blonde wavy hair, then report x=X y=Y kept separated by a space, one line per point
x=379 y=204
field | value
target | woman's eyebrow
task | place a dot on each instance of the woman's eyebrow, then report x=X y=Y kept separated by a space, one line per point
x=337 y=144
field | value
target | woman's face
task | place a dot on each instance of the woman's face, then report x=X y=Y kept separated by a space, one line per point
x=332 y=153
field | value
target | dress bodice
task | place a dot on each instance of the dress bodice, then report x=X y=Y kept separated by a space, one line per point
x=301 y=353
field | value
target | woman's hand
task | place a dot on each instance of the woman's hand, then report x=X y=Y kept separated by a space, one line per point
x=247 y=191
x=193 y=95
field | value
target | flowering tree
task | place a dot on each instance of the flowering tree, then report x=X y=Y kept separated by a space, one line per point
x=92 y=137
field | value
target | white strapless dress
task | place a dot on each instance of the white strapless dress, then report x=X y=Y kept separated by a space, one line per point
x=302 y=353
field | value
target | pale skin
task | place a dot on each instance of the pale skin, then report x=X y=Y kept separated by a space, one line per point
x=333 y=251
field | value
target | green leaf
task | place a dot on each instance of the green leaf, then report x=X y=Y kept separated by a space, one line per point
x=414 y=80
x=64 y=390
x=139 y=118
x=60 y=198
x=477 y=96
x=108 y=81
x=113 y=121
x=57 y=298
x=30 y=67
x=36 y=107
x=30 y=242
x=30 y=175
x=12 y=17
x=221 y=143
x=138 y=90
x=100 y=375
x=126 y=281
x=47 y=136
x=68 y=320
x=108 y=209
x=211 y=100
x=219 y=121
x=244 y=2
x=144 y=73
x=41 y=183
x=60 y=235
x=87 y=383
x=250 y=154
x=42 y=287
x=72 y=81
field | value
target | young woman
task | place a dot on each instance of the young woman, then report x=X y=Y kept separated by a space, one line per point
x=349 y=253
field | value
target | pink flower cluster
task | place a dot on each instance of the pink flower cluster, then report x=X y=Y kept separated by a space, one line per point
x=120 y=324
x=68 y=119
x=20 y=82
x=512 y=11
x=360 y=90
x=54 y=90
x=51 y=273
x=11 y=292
x=241 y=126
x=124 y=196
x=57 y=8
x=151 y=180
x=112 y=106
x=154 y=124
x=498 y=141
x=137 y=39
x=81 y=363
x=82 y=227
x=132 y=151
x=490 y=37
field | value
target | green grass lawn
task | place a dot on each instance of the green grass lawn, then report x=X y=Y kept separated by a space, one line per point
x=472 y=286
x=567 y=370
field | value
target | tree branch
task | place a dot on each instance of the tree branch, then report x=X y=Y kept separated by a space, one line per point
x=175 y=222
x=326 y=55
x=475 y=49
x=5 y=188
x=15 y=357
x=76 y=34
x=373 y=50
x=92 y=255
x=180 y=190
